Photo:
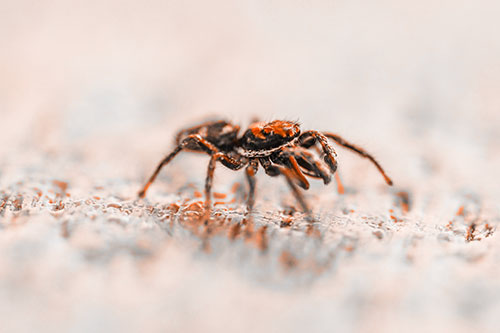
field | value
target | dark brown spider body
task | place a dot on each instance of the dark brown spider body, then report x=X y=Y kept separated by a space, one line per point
x=268 y=136
x=220 y=133
x=278 y=146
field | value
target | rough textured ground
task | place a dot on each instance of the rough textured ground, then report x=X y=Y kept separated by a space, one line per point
x=91 y=96
x=80 y=252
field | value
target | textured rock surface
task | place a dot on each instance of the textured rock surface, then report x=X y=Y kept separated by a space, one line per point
x=87 y=113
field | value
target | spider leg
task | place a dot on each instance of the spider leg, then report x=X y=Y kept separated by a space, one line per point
x=309 y=138
x=359 y=151
x=287 y=158
x=164 y=162
x=227 y=161
x=310 y=165
x=204 y=145
x=314 y=168
x=274 y=170
x=298 y=173
x=209 y=179
x=251 y=170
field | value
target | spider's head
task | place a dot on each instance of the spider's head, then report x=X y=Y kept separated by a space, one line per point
x=264 y=136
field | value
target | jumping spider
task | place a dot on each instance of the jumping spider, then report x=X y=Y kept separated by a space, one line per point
x=278 y=146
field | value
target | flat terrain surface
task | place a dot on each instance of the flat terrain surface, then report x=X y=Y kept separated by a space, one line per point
x=91 y=97
x=81 y=252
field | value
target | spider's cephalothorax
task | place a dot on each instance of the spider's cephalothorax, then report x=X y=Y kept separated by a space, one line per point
x=278 y=146
x=262 y=137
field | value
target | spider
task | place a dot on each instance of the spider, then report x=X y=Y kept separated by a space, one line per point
x=278 y=146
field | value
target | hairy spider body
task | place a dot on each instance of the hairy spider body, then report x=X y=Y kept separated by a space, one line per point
x=268 y=136
x=278 y=146
x=220 y=134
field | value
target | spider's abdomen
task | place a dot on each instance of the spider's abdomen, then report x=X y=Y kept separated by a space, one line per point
x=268 y=136
x=220 y=133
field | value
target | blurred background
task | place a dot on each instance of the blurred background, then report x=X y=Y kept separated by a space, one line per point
x=74 y=73
x=92 y=93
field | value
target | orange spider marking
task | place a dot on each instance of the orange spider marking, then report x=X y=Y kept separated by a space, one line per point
x=279 y=127
x=298 y=173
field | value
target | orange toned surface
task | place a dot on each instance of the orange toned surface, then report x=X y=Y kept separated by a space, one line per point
x=92 y=96
x=370 y=236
